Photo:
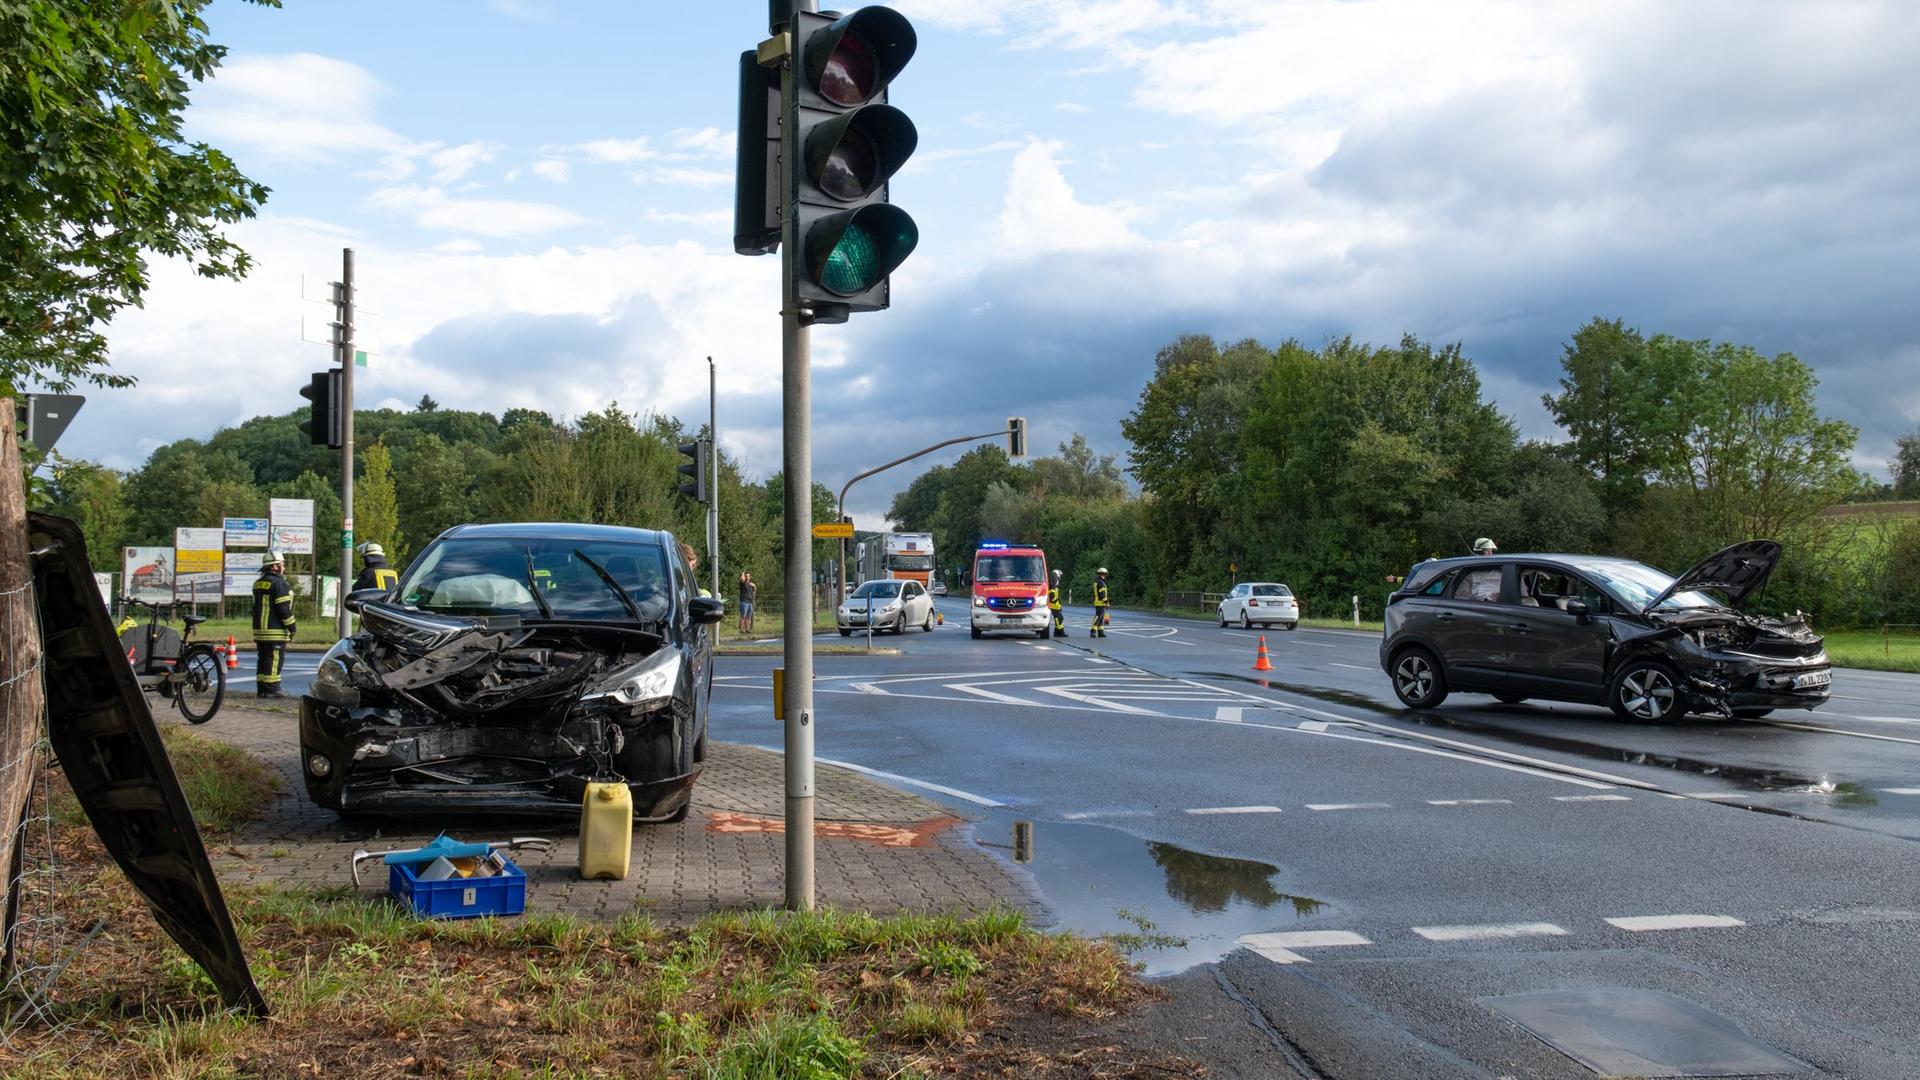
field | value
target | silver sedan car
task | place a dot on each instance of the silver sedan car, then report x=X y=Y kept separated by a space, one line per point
x=889 y=605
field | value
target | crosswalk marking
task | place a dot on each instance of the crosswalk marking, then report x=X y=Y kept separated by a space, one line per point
x=1349 y=806
x=1489 y=931
x=1469 y=802
x=1593 y=798
x=1234 y=810
x=1674 y=922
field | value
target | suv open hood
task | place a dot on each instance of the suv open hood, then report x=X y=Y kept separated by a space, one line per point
x=1737 y=571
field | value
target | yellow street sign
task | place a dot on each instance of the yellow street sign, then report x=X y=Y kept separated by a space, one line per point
x=833 y=530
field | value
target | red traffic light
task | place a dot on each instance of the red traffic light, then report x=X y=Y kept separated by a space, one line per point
x=857 y=55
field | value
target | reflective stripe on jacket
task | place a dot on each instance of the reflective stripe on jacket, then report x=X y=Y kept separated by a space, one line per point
x=1053 y=598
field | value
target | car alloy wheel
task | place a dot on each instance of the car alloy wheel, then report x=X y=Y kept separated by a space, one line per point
x=1245 y=623
x=1647 y=693
x=1223 y=616
x=1417 y=680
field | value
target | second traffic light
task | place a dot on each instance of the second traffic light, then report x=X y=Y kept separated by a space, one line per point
x=1017 y=437
x=847 y=143
x=695 y=469
x=326 y=427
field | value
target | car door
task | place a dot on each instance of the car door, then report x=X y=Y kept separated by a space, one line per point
x=1556 y=654
x=913 y=606
x=1235 y=603
x=1469 y=628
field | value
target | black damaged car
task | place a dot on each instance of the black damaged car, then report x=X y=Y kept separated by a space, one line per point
x=509 y=666
x=1600 y=630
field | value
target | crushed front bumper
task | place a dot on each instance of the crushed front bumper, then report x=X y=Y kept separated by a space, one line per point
x=355 y=761
x=1736 y=682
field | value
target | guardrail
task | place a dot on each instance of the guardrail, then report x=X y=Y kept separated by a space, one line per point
x=1197 y=601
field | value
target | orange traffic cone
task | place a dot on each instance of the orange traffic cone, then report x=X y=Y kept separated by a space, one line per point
x=1261 y=663
x=233 y=654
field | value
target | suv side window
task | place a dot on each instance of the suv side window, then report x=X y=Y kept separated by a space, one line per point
x=1481 y=583
x=1439 y=586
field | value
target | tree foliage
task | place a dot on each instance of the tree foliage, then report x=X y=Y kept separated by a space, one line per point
x=95 y=175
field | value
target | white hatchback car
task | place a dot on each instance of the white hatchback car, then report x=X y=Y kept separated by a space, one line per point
x=895 y=605
x=1260 y=603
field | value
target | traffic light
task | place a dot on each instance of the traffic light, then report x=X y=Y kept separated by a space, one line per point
x=695 y=469
x=756 y=186
x=847 y=142
x=1017 y=437
x=325 y=428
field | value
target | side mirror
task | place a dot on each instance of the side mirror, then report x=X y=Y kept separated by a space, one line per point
x=1577 y=609
x=706 y=610
x=360 y=598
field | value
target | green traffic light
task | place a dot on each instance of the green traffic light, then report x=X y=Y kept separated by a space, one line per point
x=871 y=243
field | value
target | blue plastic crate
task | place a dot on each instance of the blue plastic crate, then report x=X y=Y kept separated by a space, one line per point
x=460 y=898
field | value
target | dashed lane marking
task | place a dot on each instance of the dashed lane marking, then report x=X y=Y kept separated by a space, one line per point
x=1469 y=802
x=1712 y=795
x=1638 y=923
x=1086 y=815
x=1489 y=931
x=1593 y=798
x=1349 y=806
x=1901 y=790
x=1234 y=810
x=1354 y=667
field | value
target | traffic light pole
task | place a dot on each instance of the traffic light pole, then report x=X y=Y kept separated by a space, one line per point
x=713 y=488
x=796 y=383
x=342 y=623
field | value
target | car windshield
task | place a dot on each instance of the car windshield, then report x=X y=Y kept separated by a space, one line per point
x=879 y=590
x=1272 y=590
x=910 y=562
x=1636 y=584
x=1010 y=568
x=539 y=579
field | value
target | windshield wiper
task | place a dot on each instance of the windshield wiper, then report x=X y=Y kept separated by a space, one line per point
x=533 y=583
x=633 y=609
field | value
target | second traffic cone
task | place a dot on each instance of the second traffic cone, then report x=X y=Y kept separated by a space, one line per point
x=1260 y=662
x=233 y=654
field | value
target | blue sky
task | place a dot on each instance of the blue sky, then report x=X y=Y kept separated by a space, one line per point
x=540 y=197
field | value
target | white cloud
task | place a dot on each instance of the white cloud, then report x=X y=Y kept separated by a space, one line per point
x=684 y=177
x=704 y=142
x=1072 y=107
x=553 y=170
x=1042 y=215
x=619 y=151
x=296 y=106
x=432 y=208
x=454 y=162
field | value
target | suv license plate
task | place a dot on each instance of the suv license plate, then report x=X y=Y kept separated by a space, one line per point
x=1812 y=679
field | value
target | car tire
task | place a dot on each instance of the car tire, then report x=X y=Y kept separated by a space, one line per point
x=1417 y=679
x=1751 y=714
x=1646 y=692
x=1509 y=699
x=844 y=632
x=927 y=627
x=1042 y=634
x=975 y=631
x=1245 y=623
x=1293 y=626
x=900 y=624
x=1223 y=617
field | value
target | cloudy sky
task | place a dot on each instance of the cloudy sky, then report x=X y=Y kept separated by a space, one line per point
x=539 y=195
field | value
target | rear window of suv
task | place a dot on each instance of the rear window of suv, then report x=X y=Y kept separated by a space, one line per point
x=1272 y=590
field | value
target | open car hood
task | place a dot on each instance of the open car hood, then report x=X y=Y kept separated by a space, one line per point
x=1737 y=572
x=104 y=736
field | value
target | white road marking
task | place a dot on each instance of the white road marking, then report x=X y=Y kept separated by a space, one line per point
x=868 y=688
x=1313 y=725
x=1468 y=758
x=1901 y=790
x=1279 y=947
x=1712 y=795
x=1044 y=648
x=1639 y=923
x=1355 y=667
x=1234 y=810
x=1096 y=660
x=1004 y=699
x=1083 y=815
x=1593 y=798
x=1319 y=645
x=1469 y=802
x=1494 y=930
x=978 y=800
x=1230 y=713
x=1839 y=731
x=1089 y=699
x=1279 y=955
x=1349 y=806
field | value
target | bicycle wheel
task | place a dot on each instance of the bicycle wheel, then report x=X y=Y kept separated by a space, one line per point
x=199 y=684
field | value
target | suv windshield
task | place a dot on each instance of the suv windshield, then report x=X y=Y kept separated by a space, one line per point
x=499 y=576
x=1010 y=568
x=878 y=590
x=1637 y=584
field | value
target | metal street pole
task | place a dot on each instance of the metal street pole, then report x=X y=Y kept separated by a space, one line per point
x=342 y=622
x=857 y=477
x=713 y=488
x=797 y=467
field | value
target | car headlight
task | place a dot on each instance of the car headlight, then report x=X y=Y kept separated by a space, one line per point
x=979 y=601
x=333 y=682
x=645 y=685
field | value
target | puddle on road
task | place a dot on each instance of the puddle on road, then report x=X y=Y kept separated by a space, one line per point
x=1170 y=907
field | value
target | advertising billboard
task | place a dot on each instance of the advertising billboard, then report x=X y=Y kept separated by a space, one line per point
x=242 y=568
x=146 y=573
x=246 y=532
x=198 y=564
x=296 y=512
x=293 y=539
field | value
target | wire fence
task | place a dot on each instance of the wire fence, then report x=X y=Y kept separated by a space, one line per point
x=38 y=938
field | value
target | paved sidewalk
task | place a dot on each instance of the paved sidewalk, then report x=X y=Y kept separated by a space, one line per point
x=878 y=849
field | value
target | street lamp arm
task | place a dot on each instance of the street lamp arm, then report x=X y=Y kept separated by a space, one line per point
x=857 y=477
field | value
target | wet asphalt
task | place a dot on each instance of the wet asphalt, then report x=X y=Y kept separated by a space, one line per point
x=1364 y=887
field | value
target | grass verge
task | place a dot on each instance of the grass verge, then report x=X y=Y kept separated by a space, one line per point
x=1874 y=650
x=226 y=786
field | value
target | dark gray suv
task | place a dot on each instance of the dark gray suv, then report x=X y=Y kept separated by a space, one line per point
x=1601 y=630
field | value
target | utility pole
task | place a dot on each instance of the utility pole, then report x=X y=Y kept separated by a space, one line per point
x=343 y=298
x=713 y=489
x=796 y=400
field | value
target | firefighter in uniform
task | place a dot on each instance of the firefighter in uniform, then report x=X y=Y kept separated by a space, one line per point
x=272 y=623
x=374 y=571
x=1099 y=603
x=1053 y=605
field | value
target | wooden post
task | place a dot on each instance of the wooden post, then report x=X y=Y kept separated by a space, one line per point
x=22 y=698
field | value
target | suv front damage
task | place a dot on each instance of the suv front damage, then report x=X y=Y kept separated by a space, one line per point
x=509 y=712
x=1734 y=663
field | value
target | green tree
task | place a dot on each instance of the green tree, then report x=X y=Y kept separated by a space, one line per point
x=1906 y=467
x=95 y=174
x=95 y=497
x=1602 y=371
x=376 y=507
x=431 y=488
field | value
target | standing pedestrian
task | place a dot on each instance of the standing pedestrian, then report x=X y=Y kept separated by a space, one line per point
x=1053 y=605
x=273 y=625
x=748 y=590
x=1100 y=600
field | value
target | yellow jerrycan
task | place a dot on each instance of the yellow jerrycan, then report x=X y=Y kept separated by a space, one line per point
x=606 y=830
